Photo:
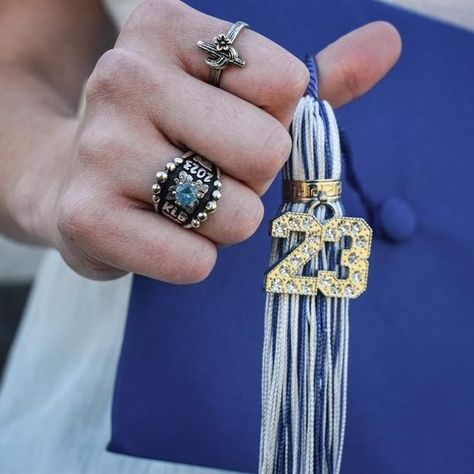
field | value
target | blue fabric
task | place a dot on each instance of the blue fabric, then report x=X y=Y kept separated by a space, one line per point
x=397 y=219
x=188 y=381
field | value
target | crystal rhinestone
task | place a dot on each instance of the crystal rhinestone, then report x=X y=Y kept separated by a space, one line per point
x=313 y=238
x=335 y=290
x=290 y=288
x=348 y=291
x=356 y=228
x=284 y=271
x=306 y=223
x=325 y=280
x=356 y=277
x=279 y=228
x=353 y=258
x=305 y=250
x=293 y=222
x=344 y=228
x=296 y=261
x=306 y=288
x=361 y=242
x=330 y=235
x=276 y=286
x=186 y=194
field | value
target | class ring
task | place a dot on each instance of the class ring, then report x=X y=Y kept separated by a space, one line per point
x=187 y=190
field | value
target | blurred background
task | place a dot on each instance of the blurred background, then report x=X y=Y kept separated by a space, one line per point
x=18 y=263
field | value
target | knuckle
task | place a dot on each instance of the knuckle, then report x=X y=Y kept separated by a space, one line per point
x=294 y=78
x=77 y=219
x=346 y=78
x=244 y=219
x=351 y=82
x=92 y=269
x=197 y=265
x=88 y=144
x=275 y=149
x=150 y=13
x=100 y=147
x=288 y=81
x=117 y=68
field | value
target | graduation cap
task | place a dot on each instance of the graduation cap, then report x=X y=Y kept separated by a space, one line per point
x=188 y=381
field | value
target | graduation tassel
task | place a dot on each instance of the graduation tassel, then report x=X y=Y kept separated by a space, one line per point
x=318 y=262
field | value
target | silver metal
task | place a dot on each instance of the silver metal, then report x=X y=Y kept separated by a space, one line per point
x=211 y=206
x=318 y=202
x=187 y=191
x=161 y=176
x=222 y=52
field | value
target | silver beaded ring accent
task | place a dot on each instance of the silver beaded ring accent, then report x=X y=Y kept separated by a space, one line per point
x=187 y=190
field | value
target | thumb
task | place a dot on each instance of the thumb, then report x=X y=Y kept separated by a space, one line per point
x=353 y=64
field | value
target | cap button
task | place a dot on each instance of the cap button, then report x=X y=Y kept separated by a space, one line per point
x=396 y=219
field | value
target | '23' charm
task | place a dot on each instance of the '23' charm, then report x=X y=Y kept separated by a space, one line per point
x=285 y=276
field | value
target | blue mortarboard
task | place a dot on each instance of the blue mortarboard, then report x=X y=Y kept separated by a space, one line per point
x=188 y=380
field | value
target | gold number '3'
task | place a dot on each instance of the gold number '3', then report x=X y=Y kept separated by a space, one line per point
x=285 y=276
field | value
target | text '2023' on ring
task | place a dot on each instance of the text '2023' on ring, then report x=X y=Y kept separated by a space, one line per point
x=187 y=190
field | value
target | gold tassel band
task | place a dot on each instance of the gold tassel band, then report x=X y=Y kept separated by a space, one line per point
x=305 y=191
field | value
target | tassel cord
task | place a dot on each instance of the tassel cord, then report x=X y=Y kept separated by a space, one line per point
x=304 y=379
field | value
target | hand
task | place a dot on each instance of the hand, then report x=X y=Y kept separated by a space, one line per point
x=148 y=100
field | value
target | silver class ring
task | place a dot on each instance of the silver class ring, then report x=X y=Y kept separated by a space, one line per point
x=187 y=190
x=222 y=52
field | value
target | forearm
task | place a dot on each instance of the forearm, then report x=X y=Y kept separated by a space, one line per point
x=40 y=86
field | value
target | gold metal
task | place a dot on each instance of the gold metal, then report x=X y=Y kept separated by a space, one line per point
x=305 y=191
x=285 y=276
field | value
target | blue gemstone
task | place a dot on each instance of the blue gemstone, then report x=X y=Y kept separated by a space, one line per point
x=186 y=194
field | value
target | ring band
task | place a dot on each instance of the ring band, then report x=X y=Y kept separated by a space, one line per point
x=187 y=190
x=222 y=52
x=308 y=191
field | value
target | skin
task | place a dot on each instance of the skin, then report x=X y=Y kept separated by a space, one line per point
x=81 y=181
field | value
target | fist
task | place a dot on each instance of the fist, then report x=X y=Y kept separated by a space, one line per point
x=149 y=100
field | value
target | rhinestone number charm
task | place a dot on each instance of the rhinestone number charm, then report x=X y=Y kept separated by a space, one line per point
x=285 y=276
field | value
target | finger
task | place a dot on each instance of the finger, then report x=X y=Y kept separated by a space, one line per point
x=239 y=211
x=272 y=79
x=128 y=239
x=136 y=162
x=356 y=62
x=246 y=142
x=158 y=248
